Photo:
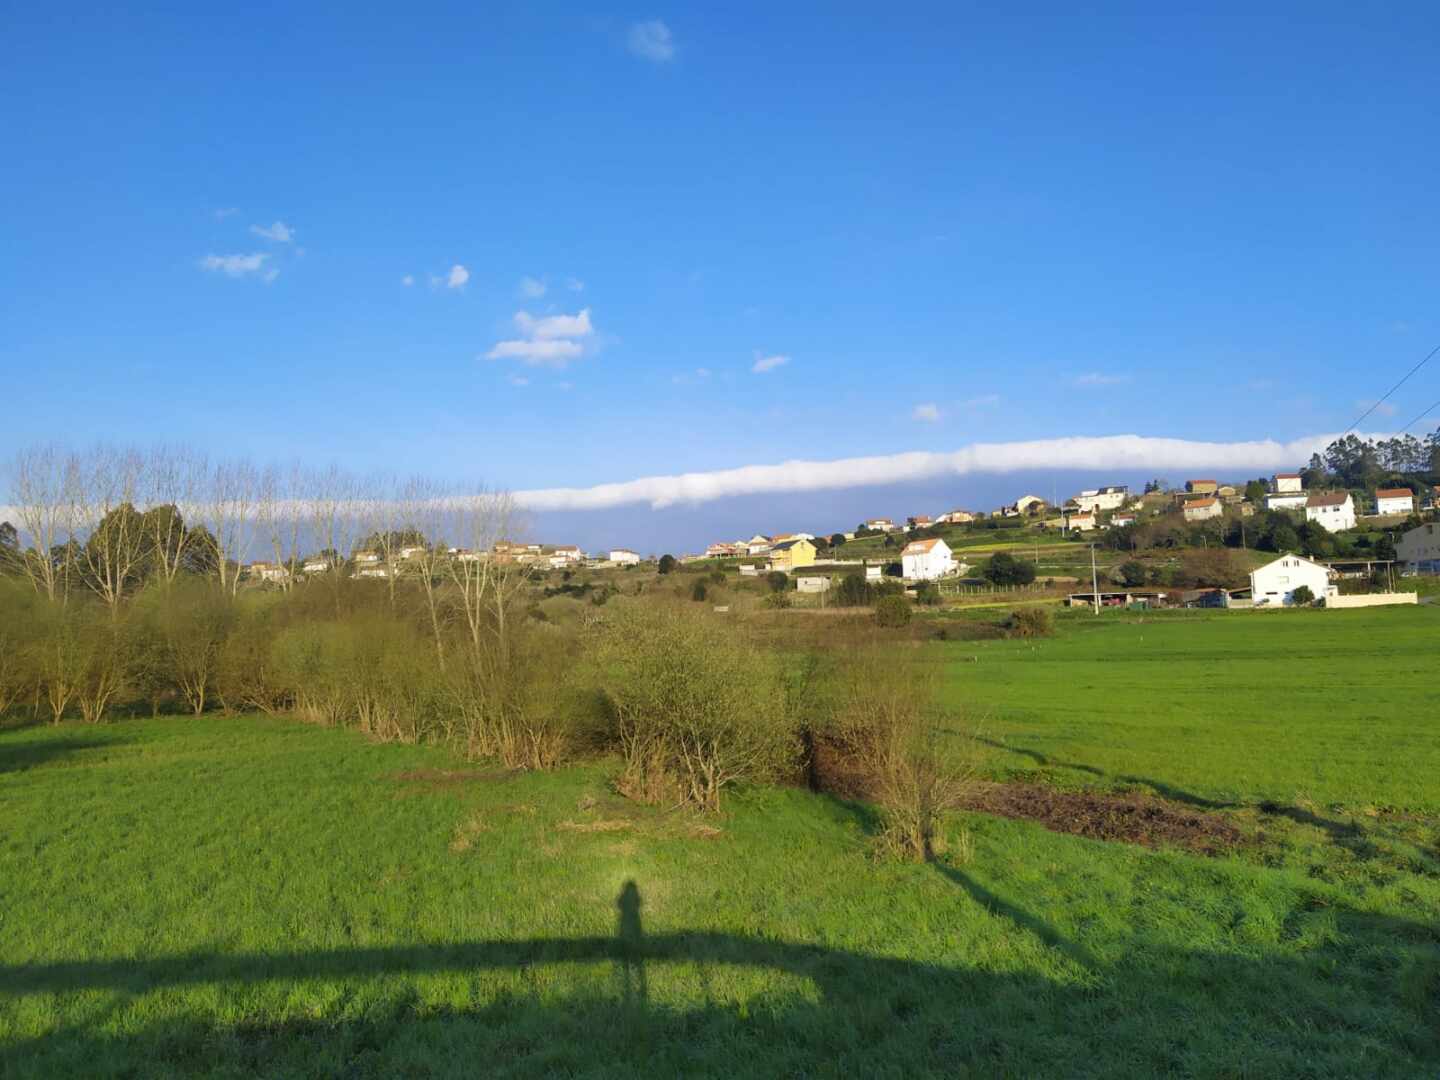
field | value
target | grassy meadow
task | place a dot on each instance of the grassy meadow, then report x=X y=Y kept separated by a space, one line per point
x=250 y=896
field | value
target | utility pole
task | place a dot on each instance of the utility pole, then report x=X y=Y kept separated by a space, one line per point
x=1094 y=580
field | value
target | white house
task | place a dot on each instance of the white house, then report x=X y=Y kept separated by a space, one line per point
x=1286 y=500
x=365 y=558
x=624 y=557
x=1080 y=522
x=926 y=560
x=411 y=551
x=882 y=524
x=265 y=571
x=874 y=572
x=812 y=583
x=1419 y=548
x=1284 y=482
x=1394 y=501
x=956 y=517
x=1274 y=584
x=1119 y=520
x=1203 y=509
x=1105 y=498
x=317 y=565
x=1333 y=509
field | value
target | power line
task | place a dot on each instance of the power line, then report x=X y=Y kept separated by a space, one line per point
x=1392 y=390
x=1422 y=416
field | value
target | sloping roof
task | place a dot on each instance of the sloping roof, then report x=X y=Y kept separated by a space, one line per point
x=919 y=547
x=1193 y=482
x=788 y=544
x=1328 y=498
x=1291 y=555
x=1200 y=504
x=1287 y=476
x=1394 y=493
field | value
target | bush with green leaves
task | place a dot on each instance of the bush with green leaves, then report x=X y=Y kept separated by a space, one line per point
x=1030 y=622
x=1303 y=594
x=854 y=591
x=777 y=580
x=1004 y=569
x=892 y=611
x=697 y=708
x=698 y=592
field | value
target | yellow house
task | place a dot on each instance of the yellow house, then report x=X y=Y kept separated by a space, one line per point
x=792 y=555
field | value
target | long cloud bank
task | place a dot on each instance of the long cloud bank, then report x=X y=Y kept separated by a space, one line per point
x=1114 y=452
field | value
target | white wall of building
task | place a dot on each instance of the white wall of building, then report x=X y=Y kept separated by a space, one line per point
x=1274 y=584
x=1334 y=518
x=1398 y=505
x=927 y=565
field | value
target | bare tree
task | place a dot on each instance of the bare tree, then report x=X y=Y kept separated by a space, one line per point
x=40 y=485
x=230 y=505
x=487 y=580
x=423 y=511
x=279 y=513
x=104 y=492
x=172 y=483
x=330 y=505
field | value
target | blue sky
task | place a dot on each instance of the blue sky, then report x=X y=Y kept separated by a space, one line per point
x=954 y=226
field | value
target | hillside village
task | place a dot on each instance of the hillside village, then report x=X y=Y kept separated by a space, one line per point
x=1324 y=538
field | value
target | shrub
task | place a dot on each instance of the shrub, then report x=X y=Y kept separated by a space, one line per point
x=1131 y=573
x=777 y=580
x=777 y=600
x=1303 y=594
x=854 y=591
x=1030 y=622
x=1004 y=569
x=698 y=592
x=892 y=611
x=667 y=564
x=928 y=594
x=696 y=708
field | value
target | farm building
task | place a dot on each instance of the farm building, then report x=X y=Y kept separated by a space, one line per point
x=1419 y=549
x=1394 y=501
x=1105 y=498
x=1333 y=509
x=880 y=524
x=1286 y=500
x=624 y=557
x=1202 y=487
x=792 y=554
x=1080 y=522
x=812 y=583
x=1286 y=483
x=956 y=517
x=1121 y=520
x=926 y=560
x=1274 y=584
x=1202 y=509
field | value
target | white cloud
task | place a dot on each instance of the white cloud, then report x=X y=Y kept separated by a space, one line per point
x=1099 y=378
x=1111 y=453
x=408 y=280
x=234 y=265
x=555 y=326
x=1384 y=408
x=552 y=340
x=279 y=233
x=556 y=353
x=270 y=275
x=983 y=401
x=652 y=40
x=457 y=278
x=927 y=412
x=765 y=364
x=531 y=288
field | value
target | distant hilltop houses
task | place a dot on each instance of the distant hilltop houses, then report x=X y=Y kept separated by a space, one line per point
x=919 y=549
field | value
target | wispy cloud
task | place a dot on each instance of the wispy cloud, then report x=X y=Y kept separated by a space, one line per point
x=552 y=340
x=457 y=277
x=1110 y=453
x=278 y=233
x=236 y=266
x=651 y=40
x=532 y=288
x=408 y=280
x=929 y=413
x=982 y=401
x=685 y=377
x=1099 y=378
x=765 y=364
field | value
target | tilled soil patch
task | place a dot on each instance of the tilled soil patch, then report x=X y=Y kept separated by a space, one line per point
x=1127 y=817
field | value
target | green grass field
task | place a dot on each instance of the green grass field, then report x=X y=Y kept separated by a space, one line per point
x=1335 y=707
x=249 y=896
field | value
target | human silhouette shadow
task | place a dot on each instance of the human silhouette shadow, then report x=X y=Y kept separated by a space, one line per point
x=868 y=1014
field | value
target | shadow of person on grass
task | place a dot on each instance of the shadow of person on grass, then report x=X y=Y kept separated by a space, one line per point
x=1316 y=1011
x=16 y=755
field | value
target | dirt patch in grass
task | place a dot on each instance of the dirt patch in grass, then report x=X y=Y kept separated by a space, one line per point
x=612 y=825
x=1130 y=818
